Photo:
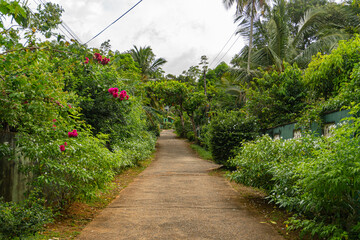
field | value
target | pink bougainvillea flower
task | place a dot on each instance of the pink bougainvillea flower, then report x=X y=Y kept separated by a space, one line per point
x=54 y=126
x=74 y=133
x=62 y=148
x=112 y=91
x=54 y=120
x=69 y=106
x=123 y=95
x=115 y=95
x=86 y=60
x=105 y=61
x=65 y=143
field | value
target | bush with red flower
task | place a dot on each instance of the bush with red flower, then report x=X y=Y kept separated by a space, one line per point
x=115 y=93
x=100 y=59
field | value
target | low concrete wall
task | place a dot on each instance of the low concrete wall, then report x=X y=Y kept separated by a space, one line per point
x=286 y=131
x=13 y=182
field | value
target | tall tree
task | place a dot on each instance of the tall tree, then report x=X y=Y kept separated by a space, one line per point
x=148 y=64
x=319 y=30
x=204 y=63
x=247 y=9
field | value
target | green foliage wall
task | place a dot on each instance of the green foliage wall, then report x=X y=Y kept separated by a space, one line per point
x=277 y=97
x=327 y=73
x=228 y=131
x=314 y=176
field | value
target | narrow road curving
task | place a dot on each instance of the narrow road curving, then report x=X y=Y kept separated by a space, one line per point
x=176 y=198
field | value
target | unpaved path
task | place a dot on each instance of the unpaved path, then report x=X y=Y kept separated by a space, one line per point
x=176 y=198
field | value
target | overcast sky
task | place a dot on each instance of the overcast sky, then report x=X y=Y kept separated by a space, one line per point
x=181 y=31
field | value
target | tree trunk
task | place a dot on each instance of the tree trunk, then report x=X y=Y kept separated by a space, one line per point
x=250 y=37
x=182 y=120
x=205 y=83
x=194 y=128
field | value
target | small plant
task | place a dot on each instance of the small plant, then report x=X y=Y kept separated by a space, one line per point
x=19 y=220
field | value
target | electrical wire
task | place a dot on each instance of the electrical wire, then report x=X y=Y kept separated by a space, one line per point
x=228 y=50
x=63 y=25
x=222 y=48
x=114 y=21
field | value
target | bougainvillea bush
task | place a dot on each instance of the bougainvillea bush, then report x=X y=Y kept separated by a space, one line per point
x=55 y=96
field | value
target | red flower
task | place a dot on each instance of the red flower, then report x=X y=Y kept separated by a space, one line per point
x=87 y=60
x=54 y=126
x=54 y=120
x=65 y=144
x=73 y=133
x=123 y=95
x=62 y=148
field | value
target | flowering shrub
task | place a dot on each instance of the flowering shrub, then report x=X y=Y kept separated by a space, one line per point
x=100 y=59
x=62 y=148
x=74 y=133
x=115 y=92
x=45 y=90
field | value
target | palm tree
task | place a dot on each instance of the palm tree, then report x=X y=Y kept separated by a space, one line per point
x=247 y=8
x=148 y=64
x=319 y=31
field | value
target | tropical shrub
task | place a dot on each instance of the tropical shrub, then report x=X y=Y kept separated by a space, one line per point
x=277 y=97
x=23 y=219
x=228 y=131
x=316 y=177
x=183 y=130
x=327 y=73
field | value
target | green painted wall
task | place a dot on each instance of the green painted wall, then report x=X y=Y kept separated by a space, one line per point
x=287 y=131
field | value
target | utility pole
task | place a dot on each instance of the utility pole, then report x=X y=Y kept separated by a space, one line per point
x=204 y=64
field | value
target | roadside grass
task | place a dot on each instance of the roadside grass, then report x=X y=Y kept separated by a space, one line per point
x=69 y=223
x=202 y=152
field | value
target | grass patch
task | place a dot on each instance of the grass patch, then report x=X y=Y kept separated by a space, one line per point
x=202 y=152
x=71 y=222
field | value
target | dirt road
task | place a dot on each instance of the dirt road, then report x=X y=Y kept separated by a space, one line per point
x=176 y=198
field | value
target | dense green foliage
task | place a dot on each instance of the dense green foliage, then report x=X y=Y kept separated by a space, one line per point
x=314 y=176
x=228 y=131
x=76 y=120
x=277 y=97
x=22 y=220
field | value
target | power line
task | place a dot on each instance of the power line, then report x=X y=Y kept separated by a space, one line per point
x=228 y=50
x=37 y=4
x=114 y=21
x=222 y=48
x=63 y=24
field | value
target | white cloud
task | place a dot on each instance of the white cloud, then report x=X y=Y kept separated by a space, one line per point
x=181 y=31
